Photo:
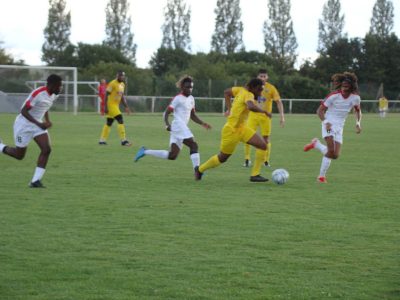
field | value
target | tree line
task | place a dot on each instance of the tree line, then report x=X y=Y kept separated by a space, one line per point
x=375 y=58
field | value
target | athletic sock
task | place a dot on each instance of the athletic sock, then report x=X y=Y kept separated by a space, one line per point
x=326 y=162
x=157 y=153
x=321 y=147
x=259 y=160
x=211 y=163
x=195 y=158
x=247 y=150
x=2 y=146
x=105 y=133
x=121 y=132
x=268 y=153
x=39 y=172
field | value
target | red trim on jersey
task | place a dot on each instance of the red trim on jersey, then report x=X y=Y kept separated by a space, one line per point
x=330 y=94
x=28 y=104
x=39 y=90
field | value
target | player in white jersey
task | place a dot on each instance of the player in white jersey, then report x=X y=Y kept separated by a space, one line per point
x=183 y=108
x=29 y=125
x=333 y=112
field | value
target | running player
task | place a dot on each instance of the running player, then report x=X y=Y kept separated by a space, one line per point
x=235 y=131
x=183 y=108
x=29 y=125
x=383 y=106
x=114 y=96
x=264 y=101
x=333 y=112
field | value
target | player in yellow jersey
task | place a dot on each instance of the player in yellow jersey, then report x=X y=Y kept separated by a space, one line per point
x=383 y=106
x=235 y=131
x=259 y=120
x=114 y=96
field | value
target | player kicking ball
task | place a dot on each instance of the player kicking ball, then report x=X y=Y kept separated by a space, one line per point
x=333 y=113
x=29 y=125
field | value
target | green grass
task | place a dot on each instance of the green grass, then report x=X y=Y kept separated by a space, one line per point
x=108 y=228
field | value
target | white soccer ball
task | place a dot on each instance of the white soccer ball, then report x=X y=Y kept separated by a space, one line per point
x=280 y=176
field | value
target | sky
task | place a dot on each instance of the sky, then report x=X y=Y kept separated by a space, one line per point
x=22 y=23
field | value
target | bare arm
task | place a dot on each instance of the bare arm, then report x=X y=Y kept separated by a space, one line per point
x=253 y=107
x=281 y=112
x=167 y=112
x=321 y=114
x=44 y=125
x=228 y=96
x=358 y=114
x=127 y=110
x=197 y=120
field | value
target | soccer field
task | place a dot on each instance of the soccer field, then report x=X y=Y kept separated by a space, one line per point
x=108 y=228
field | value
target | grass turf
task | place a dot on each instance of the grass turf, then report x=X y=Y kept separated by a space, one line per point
x=108 y=228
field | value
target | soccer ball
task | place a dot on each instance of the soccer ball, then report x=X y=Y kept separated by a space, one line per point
x=280 y=176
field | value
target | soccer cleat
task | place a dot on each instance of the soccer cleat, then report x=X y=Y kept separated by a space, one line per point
x=322 y=179
x=258 y=178
x=140 y=153
x=311 y=145
x=197 y=173
x=126 y=143
x=102 y=143
x=247 y=163
x=36 y=184
x=267 y=164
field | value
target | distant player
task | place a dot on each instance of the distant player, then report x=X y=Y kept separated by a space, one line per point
x=260 y=120
x=102 y=95
x=383 y=106
x=114 y=96
x=183 y=108
x=235 y=131
x=333 y=112
x=29 y=125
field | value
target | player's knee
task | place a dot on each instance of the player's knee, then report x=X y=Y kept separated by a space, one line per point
x=19 y=156
x=172 y=156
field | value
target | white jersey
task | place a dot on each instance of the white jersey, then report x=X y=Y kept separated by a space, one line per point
x=339 y=107
x=39 y=102
x=182 y=107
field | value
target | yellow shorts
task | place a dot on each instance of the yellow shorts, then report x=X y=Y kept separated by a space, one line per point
x=113 y=111
x=231 y=137
x=262 y=121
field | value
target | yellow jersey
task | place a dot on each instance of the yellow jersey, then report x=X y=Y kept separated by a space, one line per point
x=239 y=110
x=383 y=103
x=269 y=94
x=116 y=91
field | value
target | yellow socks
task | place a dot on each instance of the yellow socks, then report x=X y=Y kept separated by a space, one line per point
x=211 y=163
x=260 y=155
x=121 y=131
x=268 y=153
x=247 y=151
x=105 y=133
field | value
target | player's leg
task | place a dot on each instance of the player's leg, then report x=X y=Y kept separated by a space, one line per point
x=261 y=146
x=23 y=135
x=43 y=142
x=194 y=151
x=16 y=152
x=106 y=131
x=121 y=130
x=252 y=122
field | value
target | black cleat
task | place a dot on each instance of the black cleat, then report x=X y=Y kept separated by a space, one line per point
x=197 y=173
x=267 y=164
x=36 y=184
x=247 y=163
x=126 y=143
x=258 y=178
x=102 y=143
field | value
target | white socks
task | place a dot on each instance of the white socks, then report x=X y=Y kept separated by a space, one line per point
x=157 y=153
x=39 y=172
x=321 y=147
x=326 y=162
x=195 y=157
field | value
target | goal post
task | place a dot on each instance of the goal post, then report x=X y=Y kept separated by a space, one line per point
x=15 y=79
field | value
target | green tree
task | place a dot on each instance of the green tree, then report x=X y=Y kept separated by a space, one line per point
x=330 y=26
x=176 y=25
x=167 y=59
x=118 y=29
x=6 y=58
x=382 y=18
x=88 y=55
x=279 y=38
x=57 y=46
x=227 y=37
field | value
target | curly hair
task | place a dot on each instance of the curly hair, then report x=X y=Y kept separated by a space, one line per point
x=337 y=80
x=182 y=80
x=352 y=79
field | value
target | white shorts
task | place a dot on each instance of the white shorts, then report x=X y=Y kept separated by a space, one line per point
x=177 y=136
x=336 y=132
x=25 y=131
